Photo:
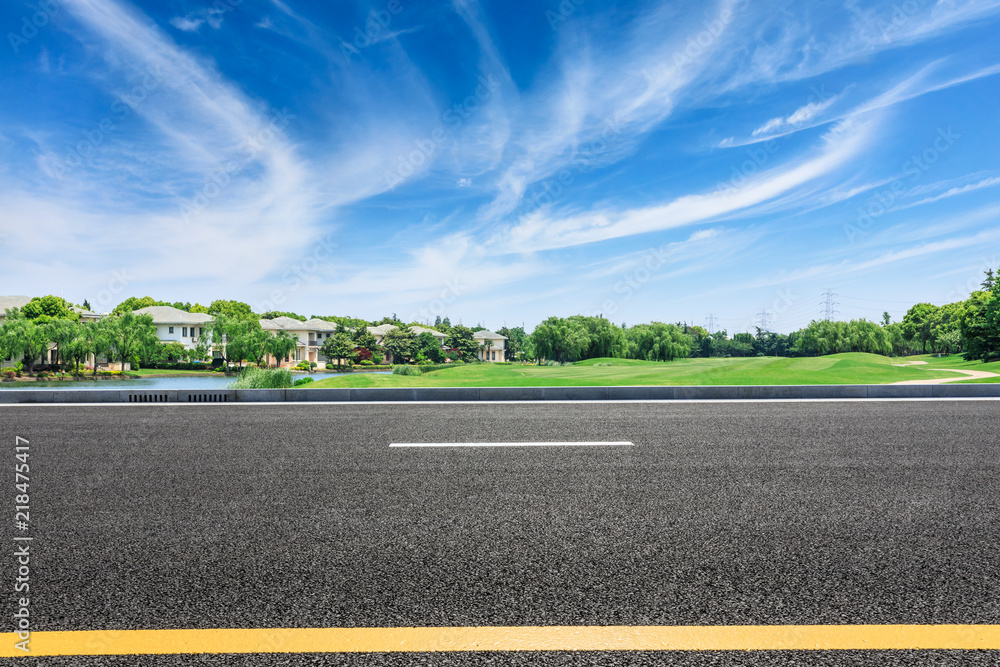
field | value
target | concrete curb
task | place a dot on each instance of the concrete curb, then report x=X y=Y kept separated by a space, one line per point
x=417 y=394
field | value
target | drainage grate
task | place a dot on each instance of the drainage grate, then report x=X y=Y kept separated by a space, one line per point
x=147 y=398
x=208 y=398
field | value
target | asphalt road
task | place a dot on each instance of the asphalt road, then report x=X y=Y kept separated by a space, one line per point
x=241 y=515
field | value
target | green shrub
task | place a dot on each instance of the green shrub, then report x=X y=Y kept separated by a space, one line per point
x=302 y=381
x=377 y=358
x=330 y=366
x=366 y=362
x=407 y=370
x=263 y=378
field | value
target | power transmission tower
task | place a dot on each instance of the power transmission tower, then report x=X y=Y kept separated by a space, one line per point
x=762 y=320
x=828 y=304
x=711 y=323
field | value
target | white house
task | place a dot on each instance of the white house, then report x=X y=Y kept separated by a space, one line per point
x=491 y=345
x=310 y=334
x=177 y=326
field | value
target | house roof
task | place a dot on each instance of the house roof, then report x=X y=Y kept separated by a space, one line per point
x=83 y=312
x=171 y=315
x=287 y=323
x=419 y=330
x=317 y=324
x=486 y=333
x=13 y=302
x=383 y=329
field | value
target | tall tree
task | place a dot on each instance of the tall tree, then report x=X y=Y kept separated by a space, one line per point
x=516 y=339
x=917 y=324
x=22 y=337
x=460 y=339
x=234 y=309
x=281 y=346
x=988 y=281
x=429 y=346
x=130 y=336
x=401 y=343
x=62 y=333
x=339 y=346
x=980 y=324
x=365 y=339
x=50 y=307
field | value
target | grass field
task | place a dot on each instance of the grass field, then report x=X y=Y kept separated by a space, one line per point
x=852 y=368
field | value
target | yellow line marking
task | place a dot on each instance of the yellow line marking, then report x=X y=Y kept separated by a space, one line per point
x=549 y=638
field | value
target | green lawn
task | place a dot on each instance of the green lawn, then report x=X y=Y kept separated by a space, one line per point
x=853 y=368
x=956 y=361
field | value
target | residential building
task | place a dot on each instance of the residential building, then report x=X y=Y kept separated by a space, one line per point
x=310 y=335
x=177 y=326
x=491 y=345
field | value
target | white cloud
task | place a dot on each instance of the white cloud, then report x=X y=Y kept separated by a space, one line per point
x=952 y=192
x=186 y=23
x=544 y=229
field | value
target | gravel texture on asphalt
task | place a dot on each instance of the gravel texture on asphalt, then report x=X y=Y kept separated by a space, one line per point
x=185 y=516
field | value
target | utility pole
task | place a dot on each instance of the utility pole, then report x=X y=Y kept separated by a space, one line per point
x=762 y=320
x=828 y=304
x=711 y=323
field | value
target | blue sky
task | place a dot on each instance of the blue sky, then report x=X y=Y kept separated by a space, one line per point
x=500 y=162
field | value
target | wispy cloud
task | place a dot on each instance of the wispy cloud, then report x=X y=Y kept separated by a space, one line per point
x=801 y=115
x=547 y=230
x=952 y=192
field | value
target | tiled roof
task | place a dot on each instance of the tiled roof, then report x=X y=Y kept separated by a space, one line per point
x=13 y=302
x=316 y=324
x=486 y=333
x=171 y=315
x=287 y=323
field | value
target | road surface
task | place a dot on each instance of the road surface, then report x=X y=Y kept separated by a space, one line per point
x=719 y=514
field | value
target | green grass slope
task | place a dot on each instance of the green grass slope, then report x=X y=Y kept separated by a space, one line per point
x=853 y=368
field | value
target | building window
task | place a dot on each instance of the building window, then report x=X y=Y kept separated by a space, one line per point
x=184 y=332
x=170 y=329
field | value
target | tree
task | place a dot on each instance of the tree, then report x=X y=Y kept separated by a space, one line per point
x=98 y=336
x=429 y=346
x=135 y=303
x=22 y=337
x=130 y=336
x=560 y=339
x=401 y=343
x=50 y=306
x=86 y=305
x=980 y=324
x=80 y=347
x=917 y=324
x=460 y=339
x=281 y=345
x=886 y=318
x=61 y=332
x=234 y=309
x=243 y=338
x=658 y=341
x=514 y=349
x=339 y=346
x=989 y=281
x=364 y=338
